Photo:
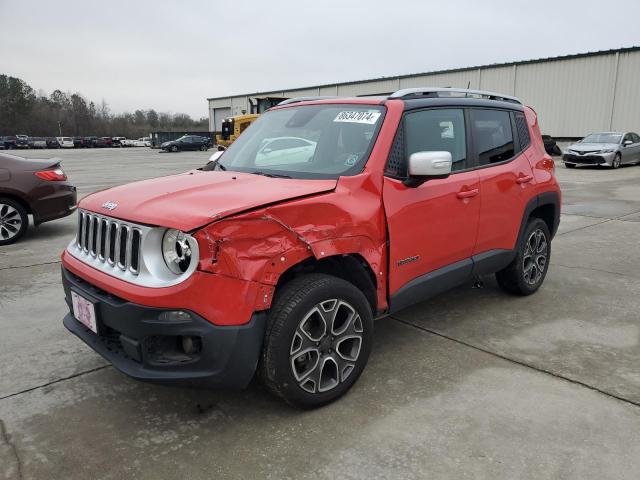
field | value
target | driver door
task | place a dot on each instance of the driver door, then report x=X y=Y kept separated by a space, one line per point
x=433 y=226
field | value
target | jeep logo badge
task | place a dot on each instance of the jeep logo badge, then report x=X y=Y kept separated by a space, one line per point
x=110 y=205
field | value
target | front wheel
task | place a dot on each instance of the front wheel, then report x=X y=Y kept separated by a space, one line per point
x=174 y=149
x=318 y=339
x=617 y=160
x=525 y=274
x=203 y=148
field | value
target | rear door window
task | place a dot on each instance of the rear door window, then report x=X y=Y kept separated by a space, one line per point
x=492 y=135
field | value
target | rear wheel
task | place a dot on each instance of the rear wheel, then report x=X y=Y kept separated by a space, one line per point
x=617 y=160
x=525 y=274
x=14 y=221
x=318 y=340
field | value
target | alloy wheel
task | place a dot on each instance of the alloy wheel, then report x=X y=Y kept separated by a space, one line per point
x=534 y=260
x=10 y=222
x=326 y=346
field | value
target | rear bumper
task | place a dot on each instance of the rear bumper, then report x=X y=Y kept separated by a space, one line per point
x=138 y=343
x=59 y=202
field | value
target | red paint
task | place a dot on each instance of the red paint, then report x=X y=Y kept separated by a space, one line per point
x=251 y=229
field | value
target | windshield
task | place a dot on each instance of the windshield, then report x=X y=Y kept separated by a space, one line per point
x=312 y=141
x=602 y=138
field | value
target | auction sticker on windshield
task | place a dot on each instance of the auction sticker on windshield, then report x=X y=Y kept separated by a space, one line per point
x=358 y=116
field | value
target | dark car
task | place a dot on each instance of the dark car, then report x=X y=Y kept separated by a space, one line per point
x=31 y=186
x=8 y=143
x=22 y=141
x=186 y=142
x=52 y=142
x=105 y=142
x=90 y=142
x=79 y=142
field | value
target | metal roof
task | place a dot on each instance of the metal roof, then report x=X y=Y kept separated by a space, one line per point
x=435 y=72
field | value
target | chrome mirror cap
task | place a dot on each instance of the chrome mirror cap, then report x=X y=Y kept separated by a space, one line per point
x=430 y=164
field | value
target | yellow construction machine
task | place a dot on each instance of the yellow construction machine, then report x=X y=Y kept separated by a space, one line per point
x=232 y=127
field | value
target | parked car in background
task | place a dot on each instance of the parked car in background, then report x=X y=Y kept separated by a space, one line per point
x=104 y=142
x=144 y=142
x=117 y=141
x=31 y=186
x=278 y=271
x=611 y=149
x=79 y=142
x=9 y=142
x=52 y=142
x=127 y=142
x=65 y=142
x=90 y=141
x=186 y=142
x=22 y=141
x=37 y=142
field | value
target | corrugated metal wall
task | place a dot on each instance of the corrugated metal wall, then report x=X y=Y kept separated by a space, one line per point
x=572 y=96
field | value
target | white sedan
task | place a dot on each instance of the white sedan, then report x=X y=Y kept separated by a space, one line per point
x=285 y=150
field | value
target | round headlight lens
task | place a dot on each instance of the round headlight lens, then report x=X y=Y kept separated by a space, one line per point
x=176 y=251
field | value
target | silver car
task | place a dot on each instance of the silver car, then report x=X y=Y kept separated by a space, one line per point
x=608 y=148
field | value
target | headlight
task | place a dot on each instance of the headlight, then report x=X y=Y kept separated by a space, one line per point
x=177 y=251
x=607 y=150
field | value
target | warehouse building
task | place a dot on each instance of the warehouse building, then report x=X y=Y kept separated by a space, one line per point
x=573 y=95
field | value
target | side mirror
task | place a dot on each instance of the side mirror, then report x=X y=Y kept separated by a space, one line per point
x=626 y=143
x=426 y=165
x=216 y=156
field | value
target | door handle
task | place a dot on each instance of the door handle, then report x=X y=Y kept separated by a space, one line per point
x=524 y=179
x=467 y=193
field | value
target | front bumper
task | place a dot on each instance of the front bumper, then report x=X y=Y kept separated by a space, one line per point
x=594 y=159
x=135 y=340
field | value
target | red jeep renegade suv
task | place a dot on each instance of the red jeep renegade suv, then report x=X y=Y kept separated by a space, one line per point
x=322 y=216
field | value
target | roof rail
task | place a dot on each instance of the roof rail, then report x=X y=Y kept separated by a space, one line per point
x=305 y=99
x=447 y=92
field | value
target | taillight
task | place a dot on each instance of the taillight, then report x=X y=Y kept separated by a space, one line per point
x=56 y=175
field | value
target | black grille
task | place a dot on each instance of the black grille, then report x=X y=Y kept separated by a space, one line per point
x=584 y=159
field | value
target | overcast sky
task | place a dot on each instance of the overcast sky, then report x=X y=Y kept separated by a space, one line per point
x=171 y=56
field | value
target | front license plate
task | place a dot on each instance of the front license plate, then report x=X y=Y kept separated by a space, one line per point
x=84 y=311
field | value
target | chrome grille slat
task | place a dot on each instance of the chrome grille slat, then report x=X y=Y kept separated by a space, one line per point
x=94 y=239
x=124 y=257
x=90 y=245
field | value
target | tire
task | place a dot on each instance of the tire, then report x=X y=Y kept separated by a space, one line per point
x=525 y=274
x=14 y=221
x=203 y=148
x=570 y=165
x=617 y=160
x=332 y=363
x=174 y=149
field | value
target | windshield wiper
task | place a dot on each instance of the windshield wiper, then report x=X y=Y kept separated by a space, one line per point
x=271 y=175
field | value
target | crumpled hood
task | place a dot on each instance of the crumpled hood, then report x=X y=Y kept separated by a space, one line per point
x=592 y=147
x=193 y=199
